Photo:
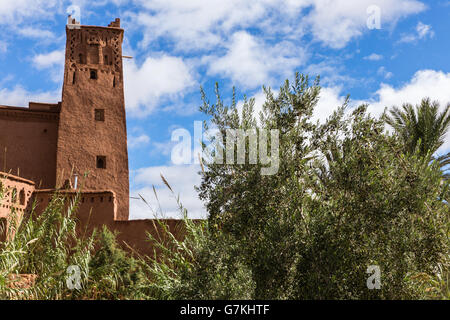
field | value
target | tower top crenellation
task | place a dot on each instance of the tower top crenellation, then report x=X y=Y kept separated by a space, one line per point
x=115 y=23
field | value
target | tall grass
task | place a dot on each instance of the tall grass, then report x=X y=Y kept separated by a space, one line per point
x=204 y=264
x=45 y=245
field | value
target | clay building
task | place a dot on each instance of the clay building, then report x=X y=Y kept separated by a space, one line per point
x=78 y=144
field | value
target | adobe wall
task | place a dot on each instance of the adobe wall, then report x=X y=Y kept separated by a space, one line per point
x=15 y=195
x=133 y=233
x=97 y=208
x=29 y=136
x=94 y=208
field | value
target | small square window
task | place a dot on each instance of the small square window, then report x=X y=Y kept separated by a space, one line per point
x=99 y=115
x=94 y=74
x=101 y=162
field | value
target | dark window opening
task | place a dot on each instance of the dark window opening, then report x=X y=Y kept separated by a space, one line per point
x=81 y=58
x=106 y=60
x=114 y=82
x=74 y=77
x=99 y=115
x=22 y=197
x=101 y=162
x=94 y=74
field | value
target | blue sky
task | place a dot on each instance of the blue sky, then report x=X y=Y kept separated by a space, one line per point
x=180 y=45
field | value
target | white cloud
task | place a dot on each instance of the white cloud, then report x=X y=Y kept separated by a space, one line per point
x=48 y=60
x=374 y=57
x=157 y=79
x=137 y=141
x=384 y=73
x=15 y=11
x=241 y=39
x=336 y=22
x=330 y=100
x=423 y=31
x=53 y=61
x=163 y=148
x=424 y=83
x=198 y=24
x=252 y=63
x=18 y=96
x=182 y=179
x=36 y=33
x=331 y=73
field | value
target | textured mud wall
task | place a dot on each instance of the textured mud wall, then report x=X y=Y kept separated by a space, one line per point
x=28 y=144
x=94 y=208
x=92 y=119
x=97 y=209
x=15 y=196
x=133 y=234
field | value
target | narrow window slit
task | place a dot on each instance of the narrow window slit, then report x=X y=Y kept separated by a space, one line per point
x=94 y=75
x=101 y=162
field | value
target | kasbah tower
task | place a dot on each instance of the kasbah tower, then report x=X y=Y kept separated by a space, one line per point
x=77 y=146
x=92 y=125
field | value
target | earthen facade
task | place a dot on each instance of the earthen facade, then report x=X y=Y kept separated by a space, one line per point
x=79 y=144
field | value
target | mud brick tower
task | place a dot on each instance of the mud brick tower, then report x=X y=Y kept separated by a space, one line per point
x=92 y=125
x=77 y=147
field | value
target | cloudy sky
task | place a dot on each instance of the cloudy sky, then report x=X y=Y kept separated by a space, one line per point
x=180 y=45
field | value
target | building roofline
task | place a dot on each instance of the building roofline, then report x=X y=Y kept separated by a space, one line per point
x=96 y=27
x=27 y=109
x=16 y=178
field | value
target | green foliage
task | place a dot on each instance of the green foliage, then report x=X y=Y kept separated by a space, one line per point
x=346 y=196
x=422 y=128
x=46 y=245
x=114 y=273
